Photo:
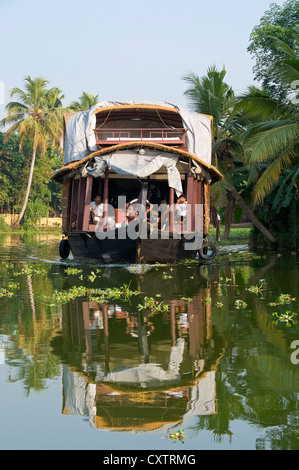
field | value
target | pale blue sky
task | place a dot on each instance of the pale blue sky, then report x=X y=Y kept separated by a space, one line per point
x=126 y=49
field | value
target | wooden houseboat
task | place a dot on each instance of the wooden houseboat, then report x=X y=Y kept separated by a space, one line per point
x=148 y=153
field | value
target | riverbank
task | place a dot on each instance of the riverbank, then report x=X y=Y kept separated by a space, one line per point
x=239 y=235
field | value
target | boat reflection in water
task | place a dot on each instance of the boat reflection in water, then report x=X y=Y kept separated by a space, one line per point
x=135 y=372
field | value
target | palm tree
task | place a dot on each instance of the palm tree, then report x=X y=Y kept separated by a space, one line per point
x=272 y=137
x=34 y=116
x=211 y=95
x=86 y=101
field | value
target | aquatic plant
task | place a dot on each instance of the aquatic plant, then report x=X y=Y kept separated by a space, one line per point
x=282 y=300
x=13 y=285
x=98 y=295
x=72 y=271
x=257 y=289
x=92 y=276
x=240 y=304
x=5 y=292
x=166 y=276
x=287 y=318
x=177 y=436
x=29 y=270
x=188 y=299
x=153 y=305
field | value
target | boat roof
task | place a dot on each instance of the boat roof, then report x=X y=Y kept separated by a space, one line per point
x=59 y=174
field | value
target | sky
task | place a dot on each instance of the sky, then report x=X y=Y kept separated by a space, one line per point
x=125 y=49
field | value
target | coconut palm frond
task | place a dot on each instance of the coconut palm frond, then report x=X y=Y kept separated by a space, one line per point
x=37 y=117
x=86 y=101
x=265 y=145
x=270 y=177
x=210 y=95
x=257 y=104
x=290 y=71
x=219 y=192
x=284 y=47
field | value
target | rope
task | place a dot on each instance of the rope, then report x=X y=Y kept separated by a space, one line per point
x=162 y=120
x=105 y=120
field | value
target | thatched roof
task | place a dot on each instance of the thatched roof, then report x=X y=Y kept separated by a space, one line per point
x=59 y=174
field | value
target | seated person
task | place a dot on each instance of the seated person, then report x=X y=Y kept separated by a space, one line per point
x=151 y=215
x=131 y=214
x=106 y=223
x=96 y=209
x=164 y=215
x=180 y=209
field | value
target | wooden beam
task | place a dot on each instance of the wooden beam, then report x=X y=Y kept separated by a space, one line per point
x=65 y=204
x=171 y=209
x=81 y=198
x=87 y=201
x=106 y=197
x=74 y=205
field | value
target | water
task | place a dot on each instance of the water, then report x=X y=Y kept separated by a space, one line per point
x=206 y=356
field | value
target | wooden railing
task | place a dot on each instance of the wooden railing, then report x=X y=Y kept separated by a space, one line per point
x=164 y=136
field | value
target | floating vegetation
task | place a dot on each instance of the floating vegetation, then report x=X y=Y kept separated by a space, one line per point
x=7 y=264
x=30 y=270
x=287 y=318
x=13 y=285
x=98 y=295
x=166 y=276
x=92 y=276
x=5 y=292
x=257 y=289
x=153 y=305
x=177 y=436
x=219 y=304
x=282 y=300
x=72 y=271
x=240 y=304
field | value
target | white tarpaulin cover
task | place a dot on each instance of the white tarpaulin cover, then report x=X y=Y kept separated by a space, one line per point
x=130 y=162
x=80 y=139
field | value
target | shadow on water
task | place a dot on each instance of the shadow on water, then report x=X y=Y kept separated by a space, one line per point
x=188 y=345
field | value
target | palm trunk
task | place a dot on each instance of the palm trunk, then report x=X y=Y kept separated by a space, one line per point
x=17 y=222
x=246 y=209
x=215 y=222
x=228 y=215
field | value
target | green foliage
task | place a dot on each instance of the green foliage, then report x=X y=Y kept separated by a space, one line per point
x=3 y=226
x=280 y=22
x=287 y=317
x=240 y=304
x=99 y=295
x=177 y=436
x=258 y=288
x=85 y=102
x=36 y=117
x=153 y=305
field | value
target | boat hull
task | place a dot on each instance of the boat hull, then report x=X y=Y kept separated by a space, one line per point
x=87 y=248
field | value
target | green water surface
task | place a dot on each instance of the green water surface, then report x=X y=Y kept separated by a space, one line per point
x=212 y=350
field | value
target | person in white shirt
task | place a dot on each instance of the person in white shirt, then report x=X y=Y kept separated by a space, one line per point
x=96 y=209
x=181 y=208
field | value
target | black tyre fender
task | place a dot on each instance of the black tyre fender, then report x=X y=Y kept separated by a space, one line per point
x=64 y=248
x=207 y=251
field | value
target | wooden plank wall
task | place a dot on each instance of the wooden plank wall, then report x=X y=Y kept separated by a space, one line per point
x=65 y=203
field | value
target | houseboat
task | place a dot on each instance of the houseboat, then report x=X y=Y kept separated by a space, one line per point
x=129 y=169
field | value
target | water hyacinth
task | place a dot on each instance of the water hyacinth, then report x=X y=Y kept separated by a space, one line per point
x=99 y=295
x=5 y=292
x=177 y=436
